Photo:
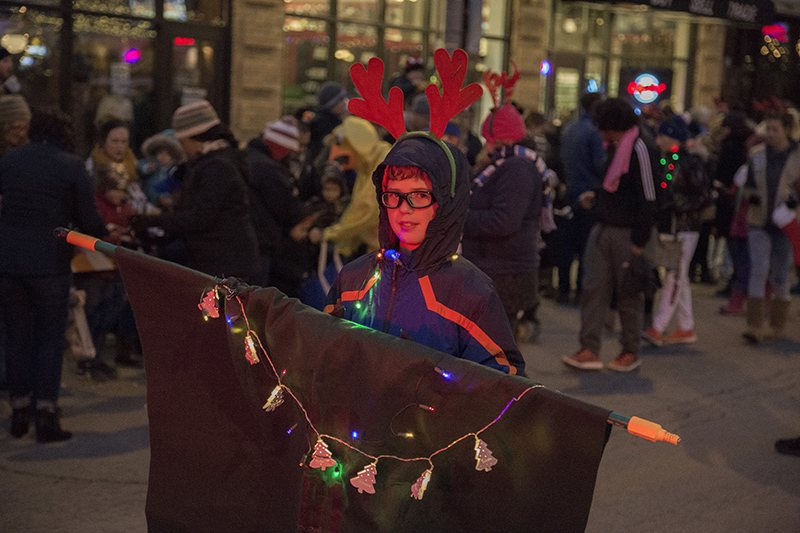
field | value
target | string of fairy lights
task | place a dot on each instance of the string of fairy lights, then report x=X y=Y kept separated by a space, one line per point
x=321 y=455
x=670 y=163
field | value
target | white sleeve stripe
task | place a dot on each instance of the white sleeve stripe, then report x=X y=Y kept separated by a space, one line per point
x=645 y=170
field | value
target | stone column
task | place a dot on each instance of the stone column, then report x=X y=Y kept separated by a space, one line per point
x=528 y=48
x=257 y=69
x=708 y=68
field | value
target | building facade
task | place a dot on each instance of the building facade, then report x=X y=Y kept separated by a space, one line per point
x=257 y=59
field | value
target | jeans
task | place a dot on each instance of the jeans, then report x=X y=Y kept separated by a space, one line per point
x=34 y=309
x=677 y=292
x=772 y=244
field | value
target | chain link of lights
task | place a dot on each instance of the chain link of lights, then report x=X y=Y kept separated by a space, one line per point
x=321 y=456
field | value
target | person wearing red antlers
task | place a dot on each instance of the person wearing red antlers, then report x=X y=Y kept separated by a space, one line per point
x=416 y=286
x=502 y=231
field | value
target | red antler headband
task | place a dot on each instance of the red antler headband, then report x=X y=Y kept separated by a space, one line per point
x=495 y=81
x=453 y=99
x=444 y=106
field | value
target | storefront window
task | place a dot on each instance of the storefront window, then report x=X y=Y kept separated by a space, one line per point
x=399 y=45
x=33 y=38
x=306 y=61
x=598 y=29
x=354 y=43
x=360 y=10
x=492 y=57
x=569 y=28
x=308 y=8
x=138 y=8
x=567 y=91
x=405 y=13
x=112 y=76
x=493 y=17
x=594 y=77
x=212 y=12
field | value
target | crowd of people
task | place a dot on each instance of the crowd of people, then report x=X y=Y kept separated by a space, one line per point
x=640 y=205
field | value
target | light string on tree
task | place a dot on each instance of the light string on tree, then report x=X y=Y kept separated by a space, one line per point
x=321 y=456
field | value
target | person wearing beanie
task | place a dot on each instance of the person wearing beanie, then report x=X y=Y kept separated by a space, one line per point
x=212 y=216
x=276 y=208
x=625 y=206
x=503 y=222
x=503 y=127
x=332 y=109
x=15 y=120
x=685 y=193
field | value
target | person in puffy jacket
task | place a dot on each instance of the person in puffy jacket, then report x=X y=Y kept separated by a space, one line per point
x=416 y=286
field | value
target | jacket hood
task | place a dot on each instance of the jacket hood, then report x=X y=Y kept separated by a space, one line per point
x=444 y=231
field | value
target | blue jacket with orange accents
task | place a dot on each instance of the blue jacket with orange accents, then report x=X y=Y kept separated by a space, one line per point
x=430 y=295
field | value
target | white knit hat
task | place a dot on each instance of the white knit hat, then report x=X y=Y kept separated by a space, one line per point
x=283 y=132
x=193 y=119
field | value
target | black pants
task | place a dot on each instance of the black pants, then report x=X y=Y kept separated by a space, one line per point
x=576 y=231
x=34 y=309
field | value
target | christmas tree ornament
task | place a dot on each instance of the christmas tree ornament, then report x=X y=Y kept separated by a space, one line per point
x=250 y=350
x=274 y=400
x=321 y=457
x=418 y=488
x=483 y=456
x=365 y=480
x=210 y=304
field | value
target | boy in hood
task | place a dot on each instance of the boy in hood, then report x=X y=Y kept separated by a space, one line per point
x=416 y=286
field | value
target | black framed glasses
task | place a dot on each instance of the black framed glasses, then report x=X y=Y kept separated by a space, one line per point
x=415 y=199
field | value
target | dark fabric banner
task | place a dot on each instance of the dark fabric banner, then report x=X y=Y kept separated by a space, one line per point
x=219 y=462
x=753 y=11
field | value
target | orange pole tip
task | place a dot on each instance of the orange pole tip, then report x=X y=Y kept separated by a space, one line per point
x=650 y=431
x=82 y=240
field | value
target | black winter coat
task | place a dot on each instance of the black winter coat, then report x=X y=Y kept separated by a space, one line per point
x=213 y=215
x=43 y=187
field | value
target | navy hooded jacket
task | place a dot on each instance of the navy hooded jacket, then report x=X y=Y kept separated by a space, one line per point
x=430 y=295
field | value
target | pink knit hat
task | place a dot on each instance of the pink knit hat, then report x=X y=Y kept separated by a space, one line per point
x=504 y=124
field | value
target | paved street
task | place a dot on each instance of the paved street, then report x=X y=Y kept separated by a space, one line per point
x=727 y=401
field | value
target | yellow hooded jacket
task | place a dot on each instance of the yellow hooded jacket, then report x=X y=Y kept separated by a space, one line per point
x=359 y=222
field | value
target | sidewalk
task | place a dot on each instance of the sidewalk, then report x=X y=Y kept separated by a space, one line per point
x=728 y=402
x=94 y=482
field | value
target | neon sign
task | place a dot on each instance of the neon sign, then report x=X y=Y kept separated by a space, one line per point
x=646 y=88
x=131 y=55
x=778 y=31
x=184 y=41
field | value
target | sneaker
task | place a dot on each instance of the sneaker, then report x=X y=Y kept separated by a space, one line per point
x=625 y=362
x=680 y=336
x=584 y=360
x=788 y=446
x=653 y=336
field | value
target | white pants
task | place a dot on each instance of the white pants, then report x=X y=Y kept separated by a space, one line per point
x=676 y=295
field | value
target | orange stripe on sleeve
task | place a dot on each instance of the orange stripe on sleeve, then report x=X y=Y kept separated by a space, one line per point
x=350 y=296
x=477 y=333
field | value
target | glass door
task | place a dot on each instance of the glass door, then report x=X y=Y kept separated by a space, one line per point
x=194 y=66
